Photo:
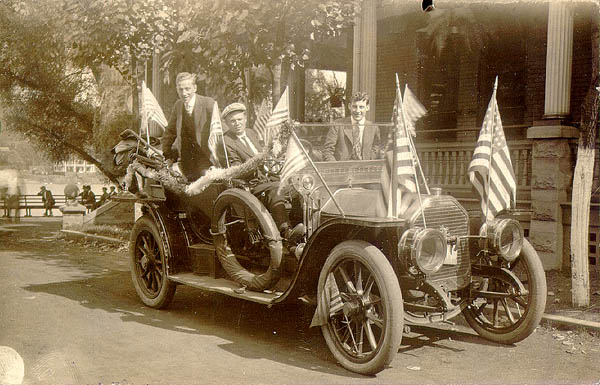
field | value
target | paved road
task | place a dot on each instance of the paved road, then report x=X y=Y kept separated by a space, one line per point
x=72 y=314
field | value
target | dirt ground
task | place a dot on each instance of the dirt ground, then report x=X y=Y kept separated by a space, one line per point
x=559 y=296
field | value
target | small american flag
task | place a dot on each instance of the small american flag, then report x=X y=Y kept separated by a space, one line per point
x=280 y=114
x=215 y=138
x=295 y=159
x=404 y=154
x=332 y=294
x=151 y=107
x=413 y=110
x=263 y=114
x=492 y=144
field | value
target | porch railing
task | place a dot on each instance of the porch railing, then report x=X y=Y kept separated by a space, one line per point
x=446 y=165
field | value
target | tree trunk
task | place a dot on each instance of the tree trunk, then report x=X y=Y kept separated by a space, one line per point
x=276 y=82
x=583 y=181
x=580 y=222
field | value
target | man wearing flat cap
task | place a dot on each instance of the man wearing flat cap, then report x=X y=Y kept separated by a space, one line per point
x=243 y=144
x=186 y=136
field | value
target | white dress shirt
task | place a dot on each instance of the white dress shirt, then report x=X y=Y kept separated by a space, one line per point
x=189 y=107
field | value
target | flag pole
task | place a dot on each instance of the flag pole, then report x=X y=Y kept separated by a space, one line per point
x=489 y=176
x=318 y=173
x=394 y=170
x=412 y=158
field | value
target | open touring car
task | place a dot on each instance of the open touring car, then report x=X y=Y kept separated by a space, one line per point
x=367 y=274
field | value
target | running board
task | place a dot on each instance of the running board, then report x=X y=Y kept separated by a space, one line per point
x=224 y=286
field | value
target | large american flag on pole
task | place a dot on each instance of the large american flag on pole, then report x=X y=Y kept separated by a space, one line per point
x=262 y=116
x=404 y=154
x=295 y=159
x=491 y=163
x=151 y=108
x=413 y=110
x=281 y=113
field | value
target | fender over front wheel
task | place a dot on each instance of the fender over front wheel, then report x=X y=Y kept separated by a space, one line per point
x=363 y=304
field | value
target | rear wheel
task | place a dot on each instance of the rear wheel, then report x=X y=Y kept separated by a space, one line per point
x=363 y=303
x=511 y=316
x=148 y=265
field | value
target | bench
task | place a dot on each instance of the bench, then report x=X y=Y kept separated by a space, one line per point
x=30 y=202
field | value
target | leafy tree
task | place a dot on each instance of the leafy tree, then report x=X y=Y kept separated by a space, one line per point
x=230 y=39
x=53 y=57
x=44 y=95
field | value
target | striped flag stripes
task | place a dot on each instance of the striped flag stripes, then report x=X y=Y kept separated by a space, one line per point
x=260 y=124
x=332 y=293
x=404 y=154
x=151 y=107
x=491 y=159
x=215 y=138
x=281 y=113
x=295 y=159
x=413 y=110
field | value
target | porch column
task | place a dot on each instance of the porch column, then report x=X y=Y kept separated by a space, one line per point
x=364 y=62
x=559 y=58
x=552 y=158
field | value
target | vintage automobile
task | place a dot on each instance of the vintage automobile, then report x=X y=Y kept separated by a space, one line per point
x=366 y=274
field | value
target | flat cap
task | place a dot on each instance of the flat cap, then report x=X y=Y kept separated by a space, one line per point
x=233 y=107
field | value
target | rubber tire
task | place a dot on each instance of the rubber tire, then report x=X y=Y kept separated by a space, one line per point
x=533 y=316
x=386 y=280
x=167 y=290
x=254 y=282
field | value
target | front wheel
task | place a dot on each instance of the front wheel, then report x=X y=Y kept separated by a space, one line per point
x=510 y=317
x=148 y=265
x=364 y=305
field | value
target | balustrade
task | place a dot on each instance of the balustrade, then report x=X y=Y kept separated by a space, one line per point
x=446 y=164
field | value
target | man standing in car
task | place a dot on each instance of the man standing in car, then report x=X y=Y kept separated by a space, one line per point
x=353 y=137
x=186 y=136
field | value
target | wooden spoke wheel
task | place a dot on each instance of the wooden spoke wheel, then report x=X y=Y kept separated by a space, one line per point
x=148 y=265
x=364 y=301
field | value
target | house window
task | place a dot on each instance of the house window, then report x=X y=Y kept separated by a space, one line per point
x=438 y=83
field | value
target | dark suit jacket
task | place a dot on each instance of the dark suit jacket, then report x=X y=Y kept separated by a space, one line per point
x=338 y=142
x=238 y=152
x=171 y=140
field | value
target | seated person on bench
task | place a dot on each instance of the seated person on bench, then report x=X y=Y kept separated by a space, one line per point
x=242 y=144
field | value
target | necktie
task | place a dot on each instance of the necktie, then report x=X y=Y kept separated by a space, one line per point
x=189 y=108
x=356 y=143
x=249 y=144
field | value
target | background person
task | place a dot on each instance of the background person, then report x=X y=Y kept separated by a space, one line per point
x=353 y=137
x=47 y=201
x=186 y=137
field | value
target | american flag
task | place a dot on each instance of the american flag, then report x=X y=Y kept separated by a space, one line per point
x=404 y=154
x=295 y=159
x=151 y=108
x=215 y=138
x=492 y=143
x=413 y=110
x=332 y=295
x=280 y=114
x=263 y=114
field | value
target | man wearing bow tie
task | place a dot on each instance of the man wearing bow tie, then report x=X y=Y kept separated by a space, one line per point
x=354 y=137
x=186 y=136
x=243 y=144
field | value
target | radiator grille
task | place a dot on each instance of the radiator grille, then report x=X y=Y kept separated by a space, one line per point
x=446 y=211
